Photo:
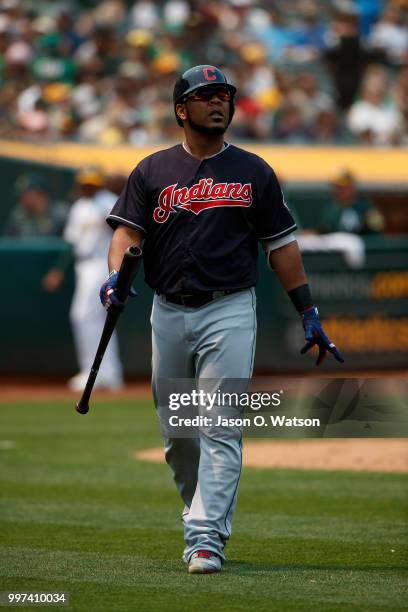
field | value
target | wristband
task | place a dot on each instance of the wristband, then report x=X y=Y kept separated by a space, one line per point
x=301 y=297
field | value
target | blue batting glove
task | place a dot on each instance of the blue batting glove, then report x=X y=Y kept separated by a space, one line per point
x=107 y=293
x=315 y=336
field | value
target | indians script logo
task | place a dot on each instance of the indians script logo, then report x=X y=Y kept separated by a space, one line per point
x=201 y=196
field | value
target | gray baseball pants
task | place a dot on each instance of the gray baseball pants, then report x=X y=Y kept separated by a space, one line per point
x=213 y=342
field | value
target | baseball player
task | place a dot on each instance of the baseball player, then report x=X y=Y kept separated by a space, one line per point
x=89 y=237
x=200 y=208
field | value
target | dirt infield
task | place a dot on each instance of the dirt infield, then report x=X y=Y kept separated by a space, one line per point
x=354 y=454
x=10 y=391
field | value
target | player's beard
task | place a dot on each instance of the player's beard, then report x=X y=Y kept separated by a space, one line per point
x=203 y=129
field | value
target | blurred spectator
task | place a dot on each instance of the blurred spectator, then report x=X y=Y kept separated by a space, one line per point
x=390 y=34
x=35 y=215
x=250 y=120
x=374 y=118
x=138 y=47
x=399 y=93
x=145 y=14
x=67 y=39
x=175 y=14
x=306 y=94
x=310 y=32
x=277 y=37
x=368 y=13
x=326 y=129
x=53 y=61
x=348 y=211
x=290 y=126
x=259 y=94
x=89 y=236
x=101 y=50
x=347 y=56
x=110 y=12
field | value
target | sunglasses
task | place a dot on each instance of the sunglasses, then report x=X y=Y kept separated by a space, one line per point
x=204 y=94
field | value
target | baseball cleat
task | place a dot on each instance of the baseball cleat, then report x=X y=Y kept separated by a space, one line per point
x=204 y=562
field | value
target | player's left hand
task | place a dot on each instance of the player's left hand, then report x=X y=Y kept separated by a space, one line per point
x=107 y=293
x=315 y=336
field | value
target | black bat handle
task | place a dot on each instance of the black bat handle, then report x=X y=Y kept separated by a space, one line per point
x=128 y=270
x=130 y=264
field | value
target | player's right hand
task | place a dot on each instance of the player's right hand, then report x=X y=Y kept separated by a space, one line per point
x=107 y=293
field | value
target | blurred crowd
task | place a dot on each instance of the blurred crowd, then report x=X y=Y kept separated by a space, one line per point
x=307 y=71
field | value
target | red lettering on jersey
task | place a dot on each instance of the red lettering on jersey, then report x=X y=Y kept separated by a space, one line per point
x=219 y=190
x=209 y=74
x=235 y=190
x=207 y=189
x=201 y=196
x=230 y=187
x=197 y=190
x=181 y=196
x=246 y=192
x=197 y=207
x=165 y=200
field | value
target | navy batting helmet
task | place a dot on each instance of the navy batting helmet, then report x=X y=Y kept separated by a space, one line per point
x=200 y=76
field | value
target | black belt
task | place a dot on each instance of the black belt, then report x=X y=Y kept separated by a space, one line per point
x=197 y=299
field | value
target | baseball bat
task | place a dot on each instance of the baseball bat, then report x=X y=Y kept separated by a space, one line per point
x=128 y=270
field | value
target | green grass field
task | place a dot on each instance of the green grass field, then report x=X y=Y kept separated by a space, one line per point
x=79 y=514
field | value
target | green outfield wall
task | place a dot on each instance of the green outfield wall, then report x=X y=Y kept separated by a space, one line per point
x=365 y=312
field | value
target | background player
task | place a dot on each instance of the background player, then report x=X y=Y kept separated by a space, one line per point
x=201 y=207
x=87 y=233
